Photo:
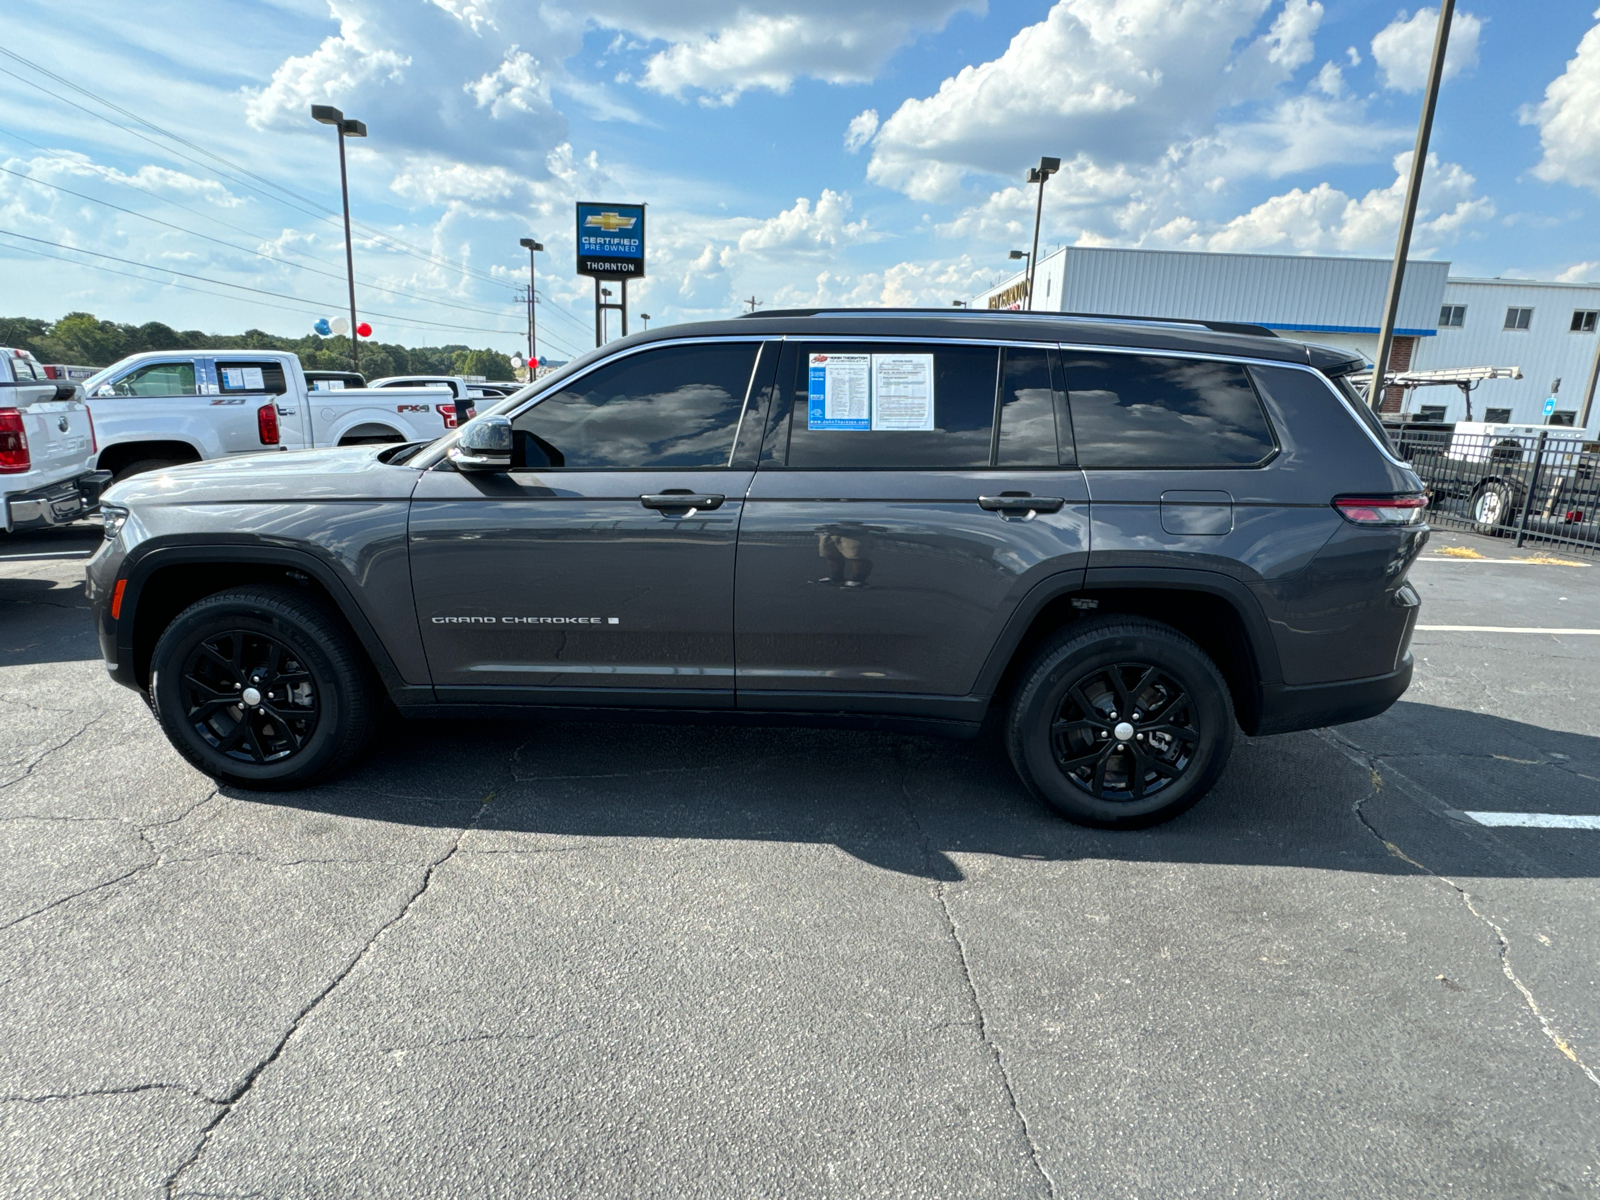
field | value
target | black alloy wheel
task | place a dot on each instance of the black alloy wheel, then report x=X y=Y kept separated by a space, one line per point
x=263 y=687
x=1120 y=723
x=249 y=697
x=1124 y=732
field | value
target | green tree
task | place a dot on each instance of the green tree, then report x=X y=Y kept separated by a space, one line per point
x=491 y=364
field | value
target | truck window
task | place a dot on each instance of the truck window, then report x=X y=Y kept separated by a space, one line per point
x=236 y=375
x=157 y=379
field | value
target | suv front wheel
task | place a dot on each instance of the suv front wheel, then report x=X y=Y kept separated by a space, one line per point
x=1120 y=723
x=262 y=688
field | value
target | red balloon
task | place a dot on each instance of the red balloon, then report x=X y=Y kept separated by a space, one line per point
x=364 y=330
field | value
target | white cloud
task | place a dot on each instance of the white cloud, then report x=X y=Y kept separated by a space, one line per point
x=1324 y=220
x=804 y=229
x=1121 y=82
x=1569 y=119
x=724 y=47
x=515 y=86
x=861 y=130
x=1404 y=48
x=1584 y=272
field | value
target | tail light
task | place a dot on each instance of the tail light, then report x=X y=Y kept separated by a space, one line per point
x=448 y=412
x=94 y=442
x=14 y=456
x=267 y=424
x=52 y=372
x=1381 y=510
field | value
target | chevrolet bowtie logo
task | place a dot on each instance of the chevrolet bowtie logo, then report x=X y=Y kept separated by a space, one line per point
x=610 y=221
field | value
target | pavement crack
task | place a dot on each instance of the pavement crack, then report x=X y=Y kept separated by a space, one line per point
x=95 y=887
x=131 y=1089
x=229 y=1102
x=49 y=750
x=1502 y=943
x=980 y=1021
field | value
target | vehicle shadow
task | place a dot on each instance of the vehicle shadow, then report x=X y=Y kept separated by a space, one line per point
x=35 y=629
x=915 y=804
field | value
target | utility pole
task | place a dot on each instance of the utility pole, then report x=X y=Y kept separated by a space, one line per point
x=533 y=248
x=1419 y=159
x=753 y=302
x=328 y=115
x=1046 y=168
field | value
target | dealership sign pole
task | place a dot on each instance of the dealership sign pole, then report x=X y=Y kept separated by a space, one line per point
x=610 y=246
x=1419 y=158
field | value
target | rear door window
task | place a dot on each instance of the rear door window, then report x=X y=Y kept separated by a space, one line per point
x=881 y=406
x=1147 y=411
x=239 y=376
x=1031 y=411
x=676 y=406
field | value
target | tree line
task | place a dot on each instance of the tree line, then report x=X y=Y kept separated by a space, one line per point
x=83 y=339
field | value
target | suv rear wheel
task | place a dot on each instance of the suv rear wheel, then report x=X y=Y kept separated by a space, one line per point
x=262 y=688
x=1120 y=723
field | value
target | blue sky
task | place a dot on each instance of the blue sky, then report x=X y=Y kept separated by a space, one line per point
x=824 y=152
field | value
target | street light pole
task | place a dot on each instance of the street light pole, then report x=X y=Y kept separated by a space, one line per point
x=1046 y=168
x=1419 y=158
x=533 y=248
x=328 y=115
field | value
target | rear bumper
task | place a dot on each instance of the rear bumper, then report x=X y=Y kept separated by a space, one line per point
x=56 y=503
x=1285 y=708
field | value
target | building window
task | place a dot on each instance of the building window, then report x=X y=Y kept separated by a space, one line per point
x=1518 y=318
x=1583 y=320
x=1452 y=316
x=1565 y=417
x=1497 y=416
x=1431 y=412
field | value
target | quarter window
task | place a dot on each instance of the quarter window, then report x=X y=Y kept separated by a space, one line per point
x=677 y=406
x=1518 y=318
x=1497 y=416
x=1583 y=320
x=1141 y=411
x=915 y=406
x=1452 y=316
x=157 y=379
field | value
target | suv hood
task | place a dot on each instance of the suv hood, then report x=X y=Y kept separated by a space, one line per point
x=337 y=473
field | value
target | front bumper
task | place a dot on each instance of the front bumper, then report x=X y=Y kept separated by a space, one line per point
x=57 y=503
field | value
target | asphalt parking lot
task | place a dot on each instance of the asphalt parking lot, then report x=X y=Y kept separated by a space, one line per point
x=569 y=959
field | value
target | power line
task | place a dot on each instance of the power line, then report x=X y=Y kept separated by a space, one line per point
x=245 y=287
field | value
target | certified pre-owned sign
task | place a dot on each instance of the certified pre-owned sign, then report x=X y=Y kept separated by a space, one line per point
x=611 y=240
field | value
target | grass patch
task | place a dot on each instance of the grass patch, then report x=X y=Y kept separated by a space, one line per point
x=1457 y=552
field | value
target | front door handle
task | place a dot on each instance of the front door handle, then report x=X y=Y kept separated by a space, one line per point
x=673 y=503
x=1011 y=503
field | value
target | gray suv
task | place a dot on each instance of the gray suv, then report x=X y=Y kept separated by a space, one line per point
x=1120 y=538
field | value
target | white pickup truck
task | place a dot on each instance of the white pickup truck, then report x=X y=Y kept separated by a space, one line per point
x=159 y=408
x=47 y=447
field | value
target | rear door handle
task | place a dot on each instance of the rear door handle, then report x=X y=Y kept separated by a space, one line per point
x=688 y=502
x=1020 y=503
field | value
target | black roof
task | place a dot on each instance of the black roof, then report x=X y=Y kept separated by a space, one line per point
x=1142 y=333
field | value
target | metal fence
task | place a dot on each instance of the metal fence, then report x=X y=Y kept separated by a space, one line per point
x=1541 y=487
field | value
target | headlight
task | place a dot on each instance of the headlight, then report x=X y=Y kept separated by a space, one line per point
x=114 y=519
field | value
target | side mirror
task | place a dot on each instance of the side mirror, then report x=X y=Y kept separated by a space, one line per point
x=105 y=389
x=485 y=445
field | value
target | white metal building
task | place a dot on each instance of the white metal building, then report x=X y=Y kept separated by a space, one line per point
x=1443 y=322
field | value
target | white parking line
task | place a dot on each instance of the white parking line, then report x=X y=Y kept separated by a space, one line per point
x=1534 y=820
x=1525 y=562
x=46 y=554
x=1500 y=629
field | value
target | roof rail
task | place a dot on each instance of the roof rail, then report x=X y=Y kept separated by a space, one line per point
x=1005 y=313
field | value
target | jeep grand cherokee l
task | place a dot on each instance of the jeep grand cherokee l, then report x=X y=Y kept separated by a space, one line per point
x=1123 y=538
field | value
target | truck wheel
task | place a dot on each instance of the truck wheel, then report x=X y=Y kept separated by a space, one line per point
x=1493 y=506
x=1120 y=723
x=142 y=465
x=260 y=687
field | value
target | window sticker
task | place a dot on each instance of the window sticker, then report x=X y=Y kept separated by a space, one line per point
x=233 y=378
x=253 y=381
x=243 y=379
x=902 y=391
x=838 y=392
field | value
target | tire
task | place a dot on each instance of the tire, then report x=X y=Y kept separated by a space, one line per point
x=318 y=719
x=140 y=466
x=1492 y=507
x=1060 y=715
